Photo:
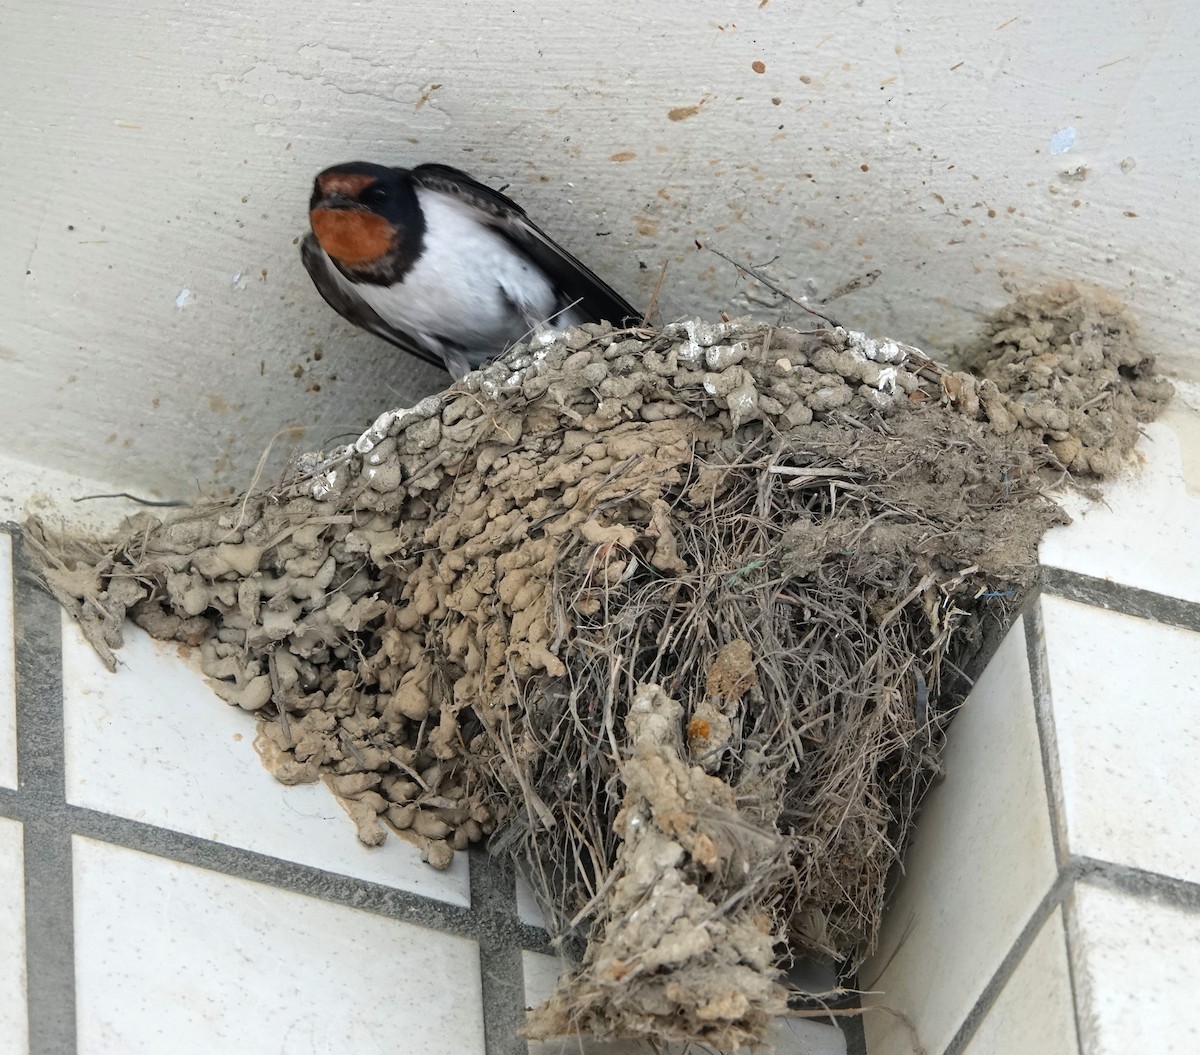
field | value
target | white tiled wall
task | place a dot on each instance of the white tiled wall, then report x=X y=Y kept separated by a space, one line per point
x=154 y=743
x=12 y=938
x=1125 y=698
x=983 y=838
x=8 y=688
x=177 y=959
x=1146 y=531
x=1121 y=720
x=1107 y=964
x=1034 y=1013
x=1137 y=964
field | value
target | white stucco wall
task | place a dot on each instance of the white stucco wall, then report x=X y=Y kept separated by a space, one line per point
x=164 y=146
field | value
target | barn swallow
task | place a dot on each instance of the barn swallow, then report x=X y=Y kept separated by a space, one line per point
x=442 y=266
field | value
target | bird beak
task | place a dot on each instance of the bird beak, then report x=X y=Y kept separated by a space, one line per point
x=333 y=200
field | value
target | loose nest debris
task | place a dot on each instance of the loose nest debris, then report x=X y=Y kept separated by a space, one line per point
x=670 y=615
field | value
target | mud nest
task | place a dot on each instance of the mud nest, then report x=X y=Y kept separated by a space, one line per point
x=673 y=616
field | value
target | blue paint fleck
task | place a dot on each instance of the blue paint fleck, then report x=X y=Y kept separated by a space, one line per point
x=1062 y=140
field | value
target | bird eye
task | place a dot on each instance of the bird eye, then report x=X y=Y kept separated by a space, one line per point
x=376 y=194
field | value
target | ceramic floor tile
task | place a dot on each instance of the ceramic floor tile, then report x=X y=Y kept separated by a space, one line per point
x=1124 y=695
x=1146 y=530
x=153 y=743
x=171 y=958
x=8 y=687
x=790 y=1036
x=981 y=861
x=1135 y=963
x=13 y=1022
x=1034 y=1013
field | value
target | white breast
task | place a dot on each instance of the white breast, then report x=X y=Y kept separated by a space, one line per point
x=465 y=284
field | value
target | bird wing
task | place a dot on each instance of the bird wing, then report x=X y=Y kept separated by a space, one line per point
x=580 y=286
x=353 y=308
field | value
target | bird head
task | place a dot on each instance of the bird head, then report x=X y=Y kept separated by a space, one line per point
x=359 y=212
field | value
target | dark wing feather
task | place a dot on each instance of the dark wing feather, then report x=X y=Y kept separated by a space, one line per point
x=580 y=286
x=354 y=310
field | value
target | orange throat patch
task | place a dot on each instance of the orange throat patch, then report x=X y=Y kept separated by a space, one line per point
x=352 y=237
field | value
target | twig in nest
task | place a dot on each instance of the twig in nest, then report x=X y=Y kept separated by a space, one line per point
x=134 y=498
x=662 y=274
x=757 y=276
x=262 y=464
x=538 y=327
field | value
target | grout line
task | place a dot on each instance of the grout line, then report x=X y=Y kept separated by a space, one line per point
x=1128 y=880
x=1043 y=704
x=1128 y=600
x=501 y=969
x=1137 y=882
x=1068 y=926
x=1016 y=953
x=1043 y=713
x=239 y=863
x=855 y=1034
x=49 y=907
x=1039 y=676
